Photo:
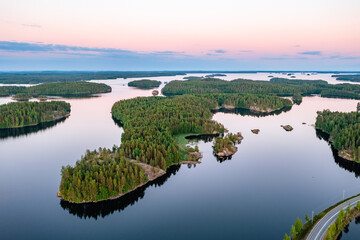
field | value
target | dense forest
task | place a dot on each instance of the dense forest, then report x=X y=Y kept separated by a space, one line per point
x=21 y=114
x=151 y=125
x=64 y=89
x=344 y=131
x=100 y=175
x=43 y=77
x=276 y=86
x=144 y=84
x=350 y=78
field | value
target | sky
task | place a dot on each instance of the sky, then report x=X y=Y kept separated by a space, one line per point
x=133 y=35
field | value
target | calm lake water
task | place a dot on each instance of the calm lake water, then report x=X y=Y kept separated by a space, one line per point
x=274 y=177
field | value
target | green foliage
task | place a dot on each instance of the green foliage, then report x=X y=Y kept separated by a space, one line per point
x=21 y=97
x=144 y=84
x=100 y=175
x=287 y=237
x=65 y=89
x=42 y=77
x=307 y=219
x=151 y=123
x=298 y=225
x=276 y=86
x=344 y=130
x=227 y=142
x=297 y=98
x=351 y=78
x=293 y=232
x=21 y=114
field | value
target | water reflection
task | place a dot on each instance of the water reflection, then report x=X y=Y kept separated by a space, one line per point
x=350 y=166
x=104 y=208
x=17 y=132
x=247 y=112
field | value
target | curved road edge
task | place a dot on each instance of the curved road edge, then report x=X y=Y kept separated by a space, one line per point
x=319 y=230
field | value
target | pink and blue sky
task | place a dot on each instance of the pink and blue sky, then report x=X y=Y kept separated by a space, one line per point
x=180 y=35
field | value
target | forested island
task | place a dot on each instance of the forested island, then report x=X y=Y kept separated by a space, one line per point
x=22 y=114
x=215 y=75
x=151 y=129
x=350 y=78
x=225 y=146
x=74 y=76
x=63 y=89
x=144 y=84
x=343 y=130
x=276 y=86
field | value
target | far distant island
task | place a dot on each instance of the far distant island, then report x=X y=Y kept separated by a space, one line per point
x=23 y=114
x=144 y=84
x=343 y=131
x=215 y=75
x=350 y=78
x=62 y=89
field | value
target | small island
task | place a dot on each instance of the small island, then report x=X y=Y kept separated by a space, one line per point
x=225 y=146
x=155 y=92
x=144 y=84
x=343 y=131
x=21 y=97
x=349 y=78
x=215 y=75
x=22 y=114
x=255 y=131
x=287 y=128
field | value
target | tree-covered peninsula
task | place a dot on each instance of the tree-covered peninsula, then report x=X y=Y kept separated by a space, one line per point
x=101 y=175
x=276 y=86
x=63 y=89
x=225 y=146
x=22 y=114
x=144 y=84
x=151 y=129
x=344 y=132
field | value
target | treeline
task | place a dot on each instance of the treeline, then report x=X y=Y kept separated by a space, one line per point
x=344 y=131
x=276 y=86
x=21 y=114
x=255 y=103
x=144 y=84
x=100 y=175
x=64 y=89
x=342 y=220
x=42 y=77
x=350 y=78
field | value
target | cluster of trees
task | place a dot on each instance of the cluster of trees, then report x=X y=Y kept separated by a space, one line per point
x=276 y=86
x=227 y=142
x=295 y=229
x=100 y=175
x=21 y=114
x=344 y=130
x=259 y=103
x=144 y=84
x=42 y=77
x=344 y=217
x=150 y=124
x=65 y=89
x=351 y=78
x=21 y=97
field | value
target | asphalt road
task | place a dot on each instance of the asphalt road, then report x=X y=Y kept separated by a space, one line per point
x=318 y=232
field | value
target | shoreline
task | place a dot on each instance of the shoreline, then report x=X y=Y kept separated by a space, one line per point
x=151 y=178
x=33 y=125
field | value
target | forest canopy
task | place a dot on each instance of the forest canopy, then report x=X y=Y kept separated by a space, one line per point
x=344 y=132
x=21 y=114
x=276 y=86
x=350 y=78
x=64 y=89
x=144 y=84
